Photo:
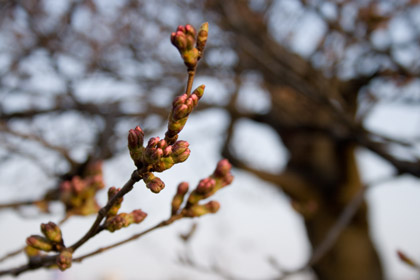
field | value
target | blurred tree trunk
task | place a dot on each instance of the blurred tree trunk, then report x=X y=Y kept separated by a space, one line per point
x=321 y=176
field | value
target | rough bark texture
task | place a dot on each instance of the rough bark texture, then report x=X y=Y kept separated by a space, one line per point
x=321 y=176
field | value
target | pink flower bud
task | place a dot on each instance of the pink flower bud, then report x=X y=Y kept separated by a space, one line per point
x=180 y=147
x=181 y=28
x=223 y=168
x=116 y=222
x=197 y=210
x=205 y=186
x=138 y=216
x=180 y=112
x=39 y=242
x=64 y=259
x=52 y=232
x=190 y=30
x=135 y=138
x=179 y=100
x=155 y=184
x=153 y=142
x=179 y=197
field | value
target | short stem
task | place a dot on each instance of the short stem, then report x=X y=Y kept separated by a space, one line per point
x=191 y=74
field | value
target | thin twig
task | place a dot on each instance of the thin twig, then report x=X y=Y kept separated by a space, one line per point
x=11 y=254
x=134 y=237
x=191 y=74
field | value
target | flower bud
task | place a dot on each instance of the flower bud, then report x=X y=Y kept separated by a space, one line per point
x=206 y=186
x=116 y=222
x=180 y=147
x=223 y=168
x=179 y=100
x=155 y=184
x=135 y=138
x=181 y=111
x=200 y=210
x=179 y=197
x=138 y=216
x=31 y=251
x=117 y=205
x=64 y=259
x=39 y=242
x=52 y=232
x=202 y=37
x=190 y=30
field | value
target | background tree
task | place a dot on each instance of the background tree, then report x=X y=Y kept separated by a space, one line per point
x=321 y=66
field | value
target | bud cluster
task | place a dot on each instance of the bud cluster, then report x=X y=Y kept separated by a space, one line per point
x=220 y=178
x=52 y=241
x=189 y=45
x=182 y=107
x=121 y=220
x=115 y=221
x=78 y=193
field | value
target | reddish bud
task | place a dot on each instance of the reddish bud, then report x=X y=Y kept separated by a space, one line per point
x=64 y=259
x=138 y=216
x=205 y=186
x=52 y=232
x=200 y=210
x=180 y=147
x=155 y=184
x=117 y=205
x=39 y=242
x=179 y=197
x=223 y=168
x=190 y=30
x=135 y=138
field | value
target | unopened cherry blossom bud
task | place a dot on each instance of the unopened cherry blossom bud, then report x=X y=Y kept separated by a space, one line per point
x=179 y=100
x=190 y=30
x=206 y=185
x=180 y=112
x=202 y=37
x=200 y=210
x=223 y=168
x=39 y=242
x=52 y=232
x=64 y=259
x=180 y=147
x=116 y=222
x=135 y=138
x=138 y=216
x=180 y=151
x=117 y=204
x=31 y=251
x=164 y=164
x=155 y=184
x=179 y=197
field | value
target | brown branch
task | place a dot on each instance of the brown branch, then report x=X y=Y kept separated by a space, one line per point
x=167 y=222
